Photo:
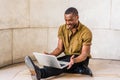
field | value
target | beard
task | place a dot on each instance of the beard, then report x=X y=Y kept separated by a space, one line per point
x=71 y=26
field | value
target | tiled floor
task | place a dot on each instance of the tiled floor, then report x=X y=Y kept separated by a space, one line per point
x=102 y=70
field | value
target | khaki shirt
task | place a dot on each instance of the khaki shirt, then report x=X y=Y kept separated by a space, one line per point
x=73 y=43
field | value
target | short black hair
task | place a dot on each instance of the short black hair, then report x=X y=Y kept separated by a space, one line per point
x=71 y=10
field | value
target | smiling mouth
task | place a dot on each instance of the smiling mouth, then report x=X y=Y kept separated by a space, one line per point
x=69 y=26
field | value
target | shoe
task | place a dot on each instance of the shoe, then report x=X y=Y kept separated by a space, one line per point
x=32 y=68
x=85 y=70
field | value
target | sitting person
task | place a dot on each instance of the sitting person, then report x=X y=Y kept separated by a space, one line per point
x=74 y=39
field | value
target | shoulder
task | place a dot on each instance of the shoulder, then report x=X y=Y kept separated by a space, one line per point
x=85 y=29
x=61 y=31
x=62 y=27
x=85 y=32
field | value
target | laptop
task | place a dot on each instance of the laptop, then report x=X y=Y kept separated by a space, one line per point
x=49 y=60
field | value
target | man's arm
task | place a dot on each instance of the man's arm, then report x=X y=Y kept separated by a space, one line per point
x=81 y=57
x=85 y=52
x=59 y=48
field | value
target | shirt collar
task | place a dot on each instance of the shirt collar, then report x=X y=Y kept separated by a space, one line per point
x=79 y=26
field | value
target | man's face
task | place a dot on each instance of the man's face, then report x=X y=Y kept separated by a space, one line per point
x=71 y=20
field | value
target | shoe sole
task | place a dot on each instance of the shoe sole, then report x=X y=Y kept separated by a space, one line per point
x=30 y=65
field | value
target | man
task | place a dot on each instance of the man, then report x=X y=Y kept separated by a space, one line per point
x=74 y=39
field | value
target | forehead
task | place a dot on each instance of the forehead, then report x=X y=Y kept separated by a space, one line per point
x=69 y=16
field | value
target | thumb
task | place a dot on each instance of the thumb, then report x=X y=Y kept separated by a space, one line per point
x=69 y=67
x=45 y=52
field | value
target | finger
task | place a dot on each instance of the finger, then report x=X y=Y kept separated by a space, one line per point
x=72 y=56
x=45 y=52
x=69 y=67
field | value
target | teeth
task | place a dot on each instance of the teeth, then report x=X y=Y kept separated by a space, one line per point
x=67 y=27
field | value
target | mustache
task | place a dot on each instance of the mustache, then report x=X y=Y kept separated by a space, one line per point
x=74 y=25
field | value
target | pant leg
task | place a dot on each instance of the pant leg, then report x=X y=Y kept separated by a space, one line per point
x=86 y=62
x=77 y=67
x=50 y=71
x=82 y=66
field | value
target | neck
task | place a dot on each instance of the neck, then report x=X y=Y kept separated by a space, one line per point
x=76 y=25
x=75 y=28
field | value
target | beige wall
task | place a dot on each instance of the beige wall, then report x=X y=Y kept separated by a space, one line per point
x=31 y=25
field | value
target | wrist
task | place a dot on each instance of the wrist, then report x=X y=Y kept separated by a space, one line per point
x=74 y=60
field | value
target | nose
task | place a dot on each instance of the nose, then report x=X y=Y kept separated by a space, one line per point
x=68 y=22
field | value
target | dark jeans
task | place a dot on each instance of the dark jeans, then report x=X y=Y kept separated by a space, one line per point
x=49 y=71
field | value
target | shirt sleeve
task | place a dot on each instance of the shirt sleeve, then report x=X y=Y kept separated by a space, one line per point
x=60 y=32
x=87 y=38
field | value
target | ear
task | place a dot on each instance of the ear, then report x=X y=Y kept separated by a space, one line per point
x=77 y=17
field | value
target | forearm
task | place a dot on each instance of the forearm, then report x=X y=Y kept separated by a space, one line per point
x=56 y=52
x=84 y=54
x=80 y=58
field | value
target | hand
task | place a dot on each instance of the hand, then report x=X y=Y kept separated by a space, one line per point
x=45 y=52
x=71 y=62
